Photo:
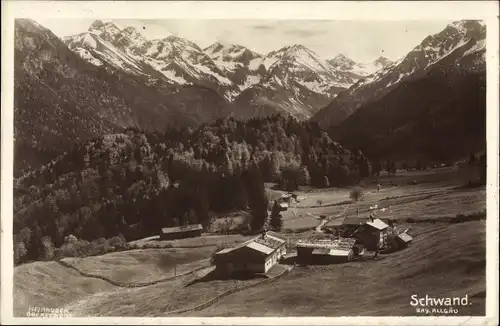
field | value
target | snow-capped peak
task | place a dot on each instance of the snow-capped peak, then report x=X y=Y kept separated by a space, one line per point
x=133 y=33
x=345 y=64
x=382 y=61
x=100 y=26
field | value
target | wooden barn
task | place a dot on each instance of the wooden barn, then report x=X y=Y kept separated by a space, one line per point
x=181 y=232
x=257 y=255
x=327 y=251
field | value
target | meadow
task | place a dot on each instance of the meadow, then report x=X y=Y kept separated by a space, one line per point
x=445 y=259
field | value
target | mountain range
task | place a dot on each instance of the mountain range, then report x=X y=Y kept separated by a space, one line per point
x=60 y=99
x=293 y=79
x=106 y=79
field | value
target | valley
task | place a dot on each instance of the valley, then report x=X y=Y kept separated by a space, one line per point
x=137 y=159
x=335 y=290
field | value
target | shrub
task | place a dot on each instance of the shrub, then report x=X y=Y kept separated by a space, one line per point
x=356 y=193
x=116 y=242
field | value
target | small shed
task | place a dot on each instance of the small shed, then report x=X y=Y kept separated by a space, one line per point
x=257 y=255
x=181 y=232
x=283 y=206
x=404 y=239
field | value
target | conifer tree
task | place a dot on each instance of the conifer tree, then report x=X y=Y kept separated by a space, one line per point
x=276 y=219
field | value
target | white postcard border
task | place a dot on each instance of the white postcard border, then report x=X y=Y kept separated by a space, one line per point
x=363 y=10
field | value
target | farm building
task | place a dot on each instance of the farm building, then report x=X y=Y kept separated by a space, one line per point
x=325 y=251
x=257 y=255
x=283 y=206
x=287 y=197
x=181 y=232
x=372 y=233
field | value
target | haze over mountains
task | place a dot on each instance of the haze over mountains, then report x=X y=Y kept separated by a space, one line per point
x=106 y=79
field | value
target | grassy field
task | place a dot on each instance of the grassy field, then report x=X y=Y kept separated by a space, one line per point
x=434 y=196
x=445 y=259
x=154 y=301
x=206 y=240
x=50 y=285
x=141 y=266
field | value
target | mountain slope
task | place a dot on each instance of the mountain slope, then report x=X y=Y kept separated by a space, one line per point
x=297 y=82
x=174 y=59
x=465 y=36
x=439 y=117
x=60 y=99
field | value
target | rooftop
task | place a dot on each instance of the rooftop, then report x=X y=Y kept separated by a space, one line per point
x=344 y=244
x=176 y=229
x=378 y=224
x=405 y=237
x=267 y=244
x=347 y=221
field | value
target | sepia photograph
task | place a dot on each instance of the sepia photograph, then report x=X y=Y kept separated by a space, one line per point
x=253 y=167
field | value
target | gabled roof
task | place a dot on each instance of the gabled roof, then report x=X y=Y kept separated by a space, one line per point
x=378 y=224
x=267 y=244
x=276 y=236
x=355 y=220
x=260 y=247
x=177 y=229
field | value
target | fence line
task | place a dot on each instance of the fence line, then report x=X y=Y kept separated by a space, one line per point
x=125 y=284
x=228 y=292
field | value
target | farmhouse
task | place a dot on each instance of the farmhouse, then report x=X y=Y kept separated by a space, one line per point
x=257 y=255
x=181 y=232
x=372 y=233
x=326 y=251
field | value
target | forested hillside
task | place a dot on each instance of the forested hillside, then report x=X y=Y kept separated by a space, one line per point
x=59 y=99
x=133 y=183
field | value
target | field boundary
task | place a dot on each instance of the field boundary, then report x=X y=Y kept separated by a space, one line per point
x=125 y=284
x=229 y=292
x=340 y=203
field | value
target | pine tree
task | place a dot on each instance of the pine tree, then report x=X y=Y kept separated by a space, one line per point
x=276 y=219
x=257 y=199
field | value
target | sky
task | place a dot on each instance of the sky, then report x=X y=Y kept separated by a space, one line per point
x=362 y=41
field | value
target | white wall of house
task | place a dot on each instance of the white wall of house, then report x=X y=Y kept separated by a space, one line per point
x=275 y=257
